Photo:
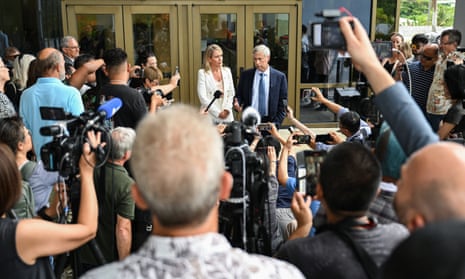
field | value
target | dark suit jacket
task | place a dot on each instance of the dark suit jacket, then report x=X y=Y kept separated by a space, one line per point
x=277 y=101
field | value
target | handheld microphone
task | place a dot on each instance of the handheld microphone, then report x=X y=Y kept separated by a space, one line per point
x=216 y=95
x=108 y=109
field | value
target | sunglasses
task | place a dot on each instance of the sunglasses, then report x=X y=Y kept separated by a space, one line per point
x=427 y=58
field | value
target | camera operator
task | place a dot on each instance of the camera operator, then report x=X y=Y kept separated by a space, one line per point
x=350 y=124
x=181 y=177
x=116 y=205
x=27 y=243
x=347 y=183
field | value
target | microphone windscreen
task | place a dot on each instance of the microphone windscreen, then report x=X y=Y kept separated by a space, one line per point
x=250 y=117
x=110 y=107
x=217 y=94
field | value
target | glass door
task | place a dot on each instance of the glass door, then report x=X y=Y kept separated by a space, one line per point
x=97 y=28
x=275 y=26
x=223 y=26
x=152 y=29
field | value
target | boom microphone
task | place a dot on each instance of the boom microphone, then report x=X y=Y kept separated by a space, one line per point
x=251 y=117
x=216 y=95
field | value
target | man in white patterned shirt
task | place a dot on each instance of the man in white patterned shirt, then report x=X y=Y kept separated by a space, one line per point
x=180 y=177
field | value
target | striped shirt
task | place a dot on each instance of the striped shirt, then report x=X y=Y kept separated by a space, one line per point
x=421 y=82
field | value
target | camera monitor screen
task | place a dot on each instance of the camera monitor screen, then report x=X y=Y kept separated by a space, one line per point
x=383 y=49
x=328 y=35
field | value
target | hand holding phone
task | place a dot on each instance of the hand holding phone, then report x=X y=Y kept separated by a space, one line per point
x=302 y=139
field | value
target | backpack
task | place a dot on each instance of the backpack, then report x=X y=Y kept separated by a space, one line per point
x=24 y=207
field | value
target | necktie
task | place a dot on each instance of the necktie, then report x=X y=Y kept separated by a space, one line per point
x=262 y=96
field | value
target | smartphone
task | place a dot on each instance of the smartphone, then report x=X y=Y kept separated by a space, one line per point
x=308 y=170
x=302 y=139
x=328 y=35
x=323 y=138
x=264 y=127
x=176 y=71
x=309 y=93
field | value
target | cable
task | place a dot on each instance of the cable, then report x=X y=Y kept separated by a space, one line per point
x=408 y=69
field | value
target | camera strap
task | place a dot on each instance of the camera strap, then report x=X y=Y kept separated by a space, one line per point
x=341 y=230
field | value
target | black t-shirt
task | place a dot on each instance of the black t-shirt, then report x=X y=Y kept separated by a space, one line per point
x=11 y=265
x=133 y=109
x=455 y=115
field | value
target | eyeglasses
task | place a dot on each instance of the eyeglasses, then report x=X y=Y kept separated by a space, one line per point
x=446 y=43
x=427 y=58
x=74 y=47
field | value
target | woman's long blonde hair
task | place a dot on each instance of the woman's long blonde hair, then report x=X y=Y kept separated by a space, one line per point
x=209 y=53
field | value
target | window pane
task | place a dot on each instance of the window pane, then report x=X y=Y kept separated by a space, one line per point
x=96 y=33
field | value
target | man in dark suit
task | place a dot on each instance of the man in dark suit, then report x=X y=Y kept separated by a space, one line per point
x=263 y=88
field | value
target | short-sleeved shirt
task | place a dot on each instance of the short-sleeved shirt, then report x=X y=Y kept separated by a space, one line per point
x=455 y=115
x=117 y=184
x=133 y=109
x=201 y=256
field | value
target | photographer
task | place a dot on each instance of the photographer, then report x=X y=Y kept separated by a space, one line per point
x=351 y=242
x=350 y=124
x=27 y=243
x=151 y=87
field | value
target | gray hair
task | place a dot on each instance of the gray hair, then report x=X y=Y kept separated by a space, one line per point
x=21 y=69
x=50 y=62
x=262 y=49
x=122 y=140
x=178 y=163
x=65 y=41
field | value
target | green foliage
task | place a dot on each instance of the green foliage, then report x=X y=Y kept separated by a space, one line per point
x=419 y=12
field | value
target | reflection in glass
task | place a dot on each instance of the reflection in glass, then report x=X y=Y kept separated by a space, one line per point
x=385 y=19
x=152 y=34
x=220 y=29
x=273 y=31
x=96 y=33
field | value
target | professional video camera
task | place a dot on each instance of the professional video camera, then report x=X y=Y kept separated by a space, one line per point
x=243 y=217
x=63 y=152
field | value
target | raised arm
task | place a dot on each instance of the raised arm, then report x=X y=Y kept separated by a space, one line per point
x=282 y=168
x=332 y=106
x=399 y=109
x=79 y=77
x=38 y=238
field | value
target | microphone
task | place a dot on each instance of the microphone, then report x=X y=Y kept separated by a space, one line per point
x=251 y=117
x=216 y=95
x=108 y=109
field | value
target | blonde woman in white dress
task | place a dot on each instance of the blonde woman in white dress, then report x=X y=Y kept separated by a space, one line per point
x=215 y=77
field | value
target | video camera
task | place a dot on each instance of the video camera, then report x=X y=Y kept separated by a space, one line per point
x=62 y=154
x=242 y=217
x=327 y=34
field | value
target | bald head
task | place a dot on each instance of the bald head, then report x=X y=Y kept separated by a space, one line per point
x=51 y=63
x=429 y=56
x=432 y=184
